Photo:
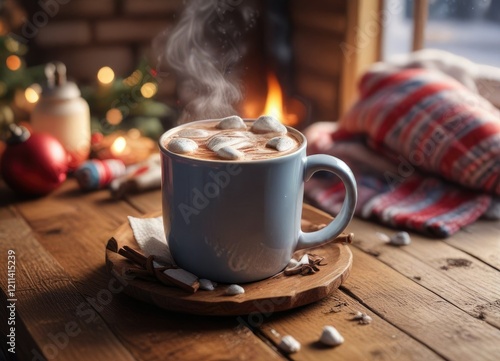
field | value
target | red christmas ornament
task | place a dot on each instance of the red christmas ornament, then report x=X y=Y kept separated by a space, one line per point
x=33 y=164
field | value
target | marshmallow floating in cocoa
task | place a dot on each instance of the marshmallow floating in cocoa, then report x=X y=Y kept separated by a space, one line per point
x=231 y=140
x=231 y=122
x=193 y=133
x=182 y=145
x=229 y=153
x=268 y=124
x=281 y=144
x=220 y=141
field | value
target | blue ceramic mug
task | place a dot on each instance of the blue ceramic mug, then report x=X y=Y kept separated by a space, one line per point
x=239 y=221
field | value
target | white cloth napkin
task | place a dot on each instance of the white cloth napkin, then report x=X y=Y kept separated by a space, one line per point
x=150 y=237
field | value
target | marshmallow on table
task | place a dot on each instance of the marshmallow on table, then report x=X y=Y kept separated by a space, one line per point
x=289 y=344
x=331 y=337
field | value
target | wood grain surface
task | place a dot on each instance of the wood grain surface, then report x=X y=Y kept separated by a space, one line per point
x=432 y=300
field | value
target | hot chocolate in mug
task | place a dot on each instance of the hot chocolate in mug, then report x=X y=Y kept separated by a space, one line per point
x=232 y=194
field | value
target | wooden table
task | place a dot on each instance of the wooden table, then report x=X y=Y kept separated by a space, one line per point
x=432 y=300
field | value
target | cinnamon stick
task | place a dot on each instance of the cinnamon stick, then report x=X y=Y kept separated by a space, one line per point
x=132 y=255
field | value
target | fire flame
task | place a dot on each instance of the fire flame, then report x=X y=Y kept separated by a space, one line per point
x=276 y=105
x=274 y=102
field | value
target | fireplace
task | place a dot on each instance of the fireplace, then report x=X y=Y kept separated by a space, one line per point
x=301 y=45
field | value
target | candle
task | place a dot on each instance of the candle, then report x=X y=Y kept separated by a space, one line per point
x=118 y=147
x=130 y=147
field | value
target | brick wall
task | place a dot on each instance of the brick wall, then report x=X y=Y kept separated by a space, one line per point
x=89 y=34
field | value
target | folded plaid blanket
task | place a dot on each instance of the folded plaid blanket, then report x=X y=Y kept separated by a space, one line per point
x=425 y=151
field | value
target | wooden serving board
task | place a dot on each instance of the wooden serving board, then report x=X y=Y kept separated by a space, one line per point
x=276 y=293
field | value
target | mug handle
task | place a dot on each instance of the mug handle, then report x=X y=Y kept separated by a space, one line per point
x=313 y=164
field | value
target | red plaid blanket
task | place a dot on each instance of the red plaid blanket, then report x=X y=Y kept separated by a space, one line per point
x=436 y=164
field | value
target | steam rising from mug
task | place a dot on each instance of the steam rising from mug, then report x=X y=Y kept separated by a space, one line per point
x=202 y=50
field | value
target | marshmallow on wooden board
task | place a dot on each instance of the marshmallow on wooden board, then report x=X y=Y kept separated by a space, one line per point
x=234 y=290
x=207 y=285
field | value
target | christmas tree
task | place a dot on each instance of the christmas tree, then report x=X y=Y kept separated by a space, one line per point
x=15 y=76
x=124 y=103
x=116 y=103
